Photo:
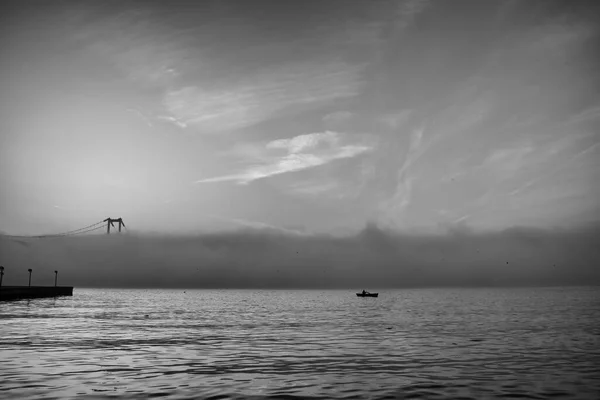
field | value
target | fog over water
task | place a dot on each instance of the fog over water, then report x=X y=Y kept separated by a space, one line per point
x=373 y=258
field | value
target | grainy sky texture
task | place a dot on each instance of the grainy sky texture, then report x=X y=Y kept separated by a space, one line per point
x=302 y=116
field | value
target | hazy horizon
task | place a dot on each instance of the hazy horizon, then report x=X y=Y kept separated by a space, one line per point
x=253 y=258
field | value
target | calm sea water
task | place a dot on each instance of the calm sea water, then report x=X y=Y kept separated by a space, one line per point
x=434 y=343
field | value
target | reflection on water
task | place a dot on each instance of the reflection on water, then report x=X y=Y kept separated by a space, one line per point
x=486 y=343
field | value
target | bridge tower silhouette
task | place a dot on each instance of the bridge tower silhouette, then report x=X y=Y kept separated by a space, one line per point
x=109 y=222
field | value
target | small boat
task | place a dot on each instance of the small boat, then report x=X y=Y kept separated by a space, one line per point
x=367 y=294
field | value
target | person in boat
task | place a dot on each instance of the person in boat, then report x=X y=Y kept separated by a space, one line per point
x=364 y=292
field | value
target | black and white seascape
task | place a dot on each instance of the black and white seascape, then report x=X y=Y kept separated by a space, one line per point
x=299 y=199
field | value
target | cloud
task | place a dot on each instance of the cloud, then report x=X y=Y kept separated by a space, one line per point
x=140 y=47
x=348 y=185
x=557 y=37
x=337 y=118
x=507 y=162
x=304 y=142
x=393 y=207
x=403 y=194
x=408 y=10
x=395 y=120
x=314 y=188
x=172 y=120
x=469 y=106
x=150 y=64
x=208 y=80
x=558 y=166
x=148 y=118
x=415 y=150
x=587 y=151
x=259 y=226
x=259 y=96
x=590 y=114
x=142 y=115
x=254 y=258
x=300 y=152
x=461 y=219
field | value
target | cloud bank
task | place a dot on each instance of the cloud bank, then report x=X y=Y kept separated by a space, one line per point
x=265 y=258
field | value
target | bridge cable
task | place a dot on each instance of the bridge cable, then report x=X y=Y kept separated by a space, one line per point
x=85 y=229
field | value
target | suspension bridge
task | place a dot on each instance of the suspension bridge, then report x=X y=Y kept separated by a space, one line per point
x=19 y=292
x=109 y=222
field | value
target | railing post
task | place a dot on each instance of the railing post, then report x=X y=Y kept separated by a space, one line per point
x=1 y=274
x=29 y=276
x=55 y=277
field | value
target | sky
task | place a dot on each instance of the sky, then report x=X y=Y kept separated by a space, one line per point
x=313 y=117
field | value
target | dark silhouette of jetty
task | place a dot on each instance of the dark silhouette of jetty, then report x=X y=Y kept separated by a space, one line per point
x=30 y=292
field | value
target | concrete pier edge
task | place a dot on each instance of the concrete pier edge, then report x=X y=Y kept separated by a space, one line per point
x=31 y=292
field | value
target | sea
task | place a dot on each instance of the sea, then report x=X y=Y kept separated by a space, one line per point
x=526 y=343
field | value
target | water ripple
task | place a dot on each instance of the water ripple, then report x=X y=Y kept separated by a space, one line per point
x=434 y=344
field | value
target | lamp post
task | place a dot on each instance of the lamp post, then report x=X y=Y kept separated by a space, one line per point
x=55 y=277
x=1 y=274
x=29 y=276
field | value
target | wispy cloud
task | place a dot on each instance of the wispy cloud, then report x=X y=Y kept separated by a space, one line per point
x=395 y=120
x=142 y=115
x=246 y=223
x=202 y=84
x=150 y=118
x=505 y=163
x=336 y=118
x=414 y=148
x=314 y=188
x=258 y=97
x=461 y=219
x=394 y=206
x=469 y=107
x=557 y=37
x=172 y=120
x=557 y=167
x=137 y=45
x=299 y=153
x=408 y=10
x=588 y=115
x=349 y=184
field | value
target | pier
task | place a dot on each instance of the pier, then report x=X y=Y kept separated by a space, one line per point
x=31 y=292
